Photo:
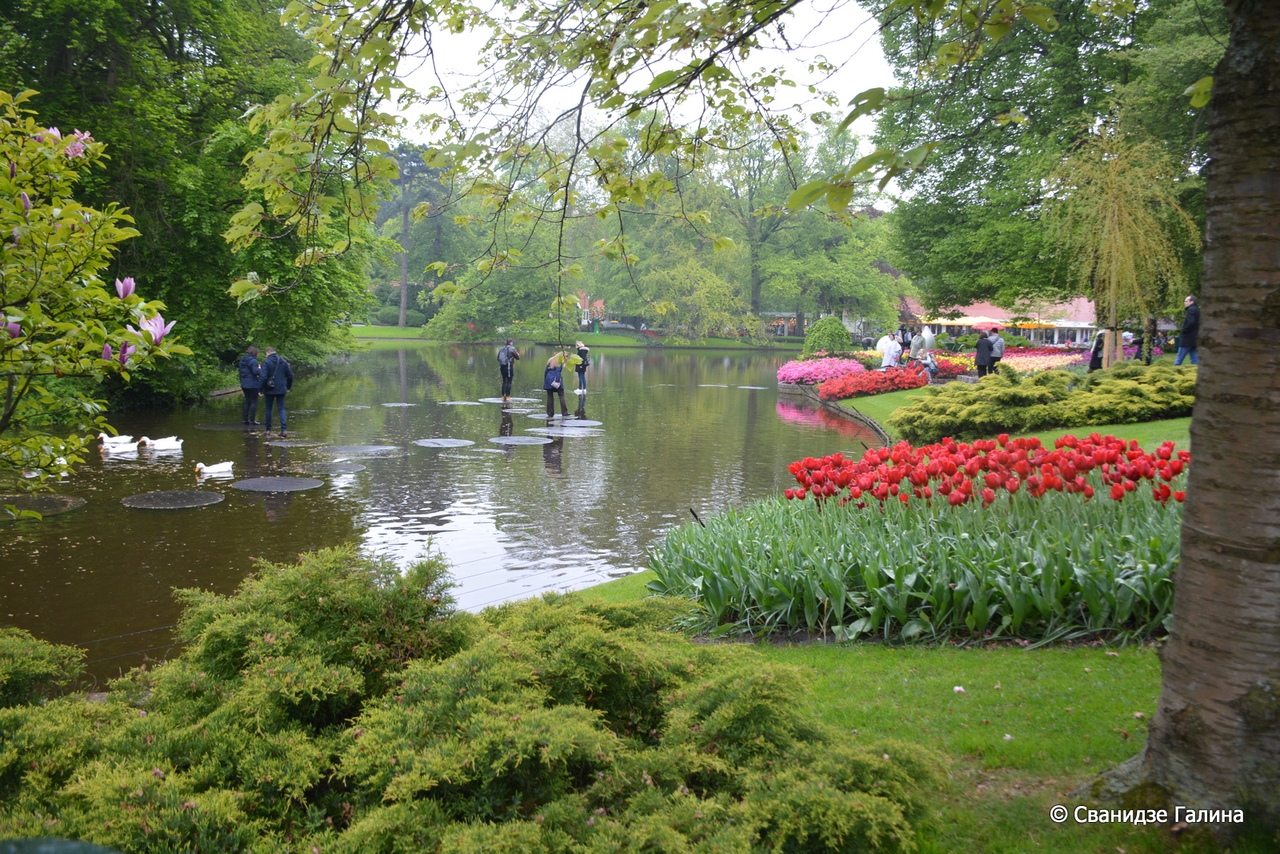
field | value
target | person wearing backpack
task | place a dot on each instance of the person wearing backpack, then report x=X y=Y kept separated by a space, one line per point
x=277 y=380
x=584 y=354
x=507 y=358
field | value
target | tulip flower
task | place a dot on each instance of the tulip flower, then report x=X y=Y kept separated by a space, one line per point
x=157 y=327
x=125 y=287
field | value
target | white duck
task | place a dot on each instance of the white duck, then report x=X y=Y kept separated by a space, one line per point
x=168 y=443
x=215 y=468
x=115 y=443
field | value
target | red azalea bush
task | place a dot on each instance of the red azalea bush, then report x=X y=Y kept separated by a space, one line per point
x=963 y=472
x=872 y=382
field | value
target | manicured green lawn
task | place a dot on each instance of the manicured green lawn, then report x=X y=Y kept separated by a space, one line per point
x=1149 y=434
x=387 y=331
x=1029 y=727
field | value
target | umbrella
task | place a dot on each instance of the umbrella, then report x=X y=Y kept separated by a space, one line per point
x=988 y=325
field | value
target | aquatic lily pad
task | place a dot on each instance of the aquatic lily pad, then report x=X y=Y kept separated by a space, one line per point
x=443 y=443
x=42 y=503
x=277 y=484
x=362 y=450
x=520 y=440
x=177 y=499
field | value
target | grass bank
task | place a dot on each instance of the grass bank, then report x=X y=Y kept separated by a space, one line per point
x=1029 y=727
x=1149 y=434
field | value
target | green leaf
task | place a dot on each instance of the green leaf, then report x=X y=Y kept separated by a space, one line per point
x=863 y=104
x=1041 y=16
x=806 y=194
x=1200 y=92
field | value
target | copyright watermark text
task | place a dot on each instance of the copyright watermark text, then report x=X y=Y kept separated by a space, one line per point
x=1178 y=815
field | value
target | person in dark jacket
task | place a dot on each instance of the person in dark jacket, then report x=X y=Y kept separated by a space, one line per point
x=508 y=355
x=250 y=383
x=1188 y=340
x=584 y=353
x=982 y=358
x=1095 y=351
x=277 y=380
x=553 y=384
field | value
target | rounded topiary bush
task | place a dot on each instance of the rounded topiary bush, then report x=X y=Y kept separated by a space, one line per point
x=828 y=335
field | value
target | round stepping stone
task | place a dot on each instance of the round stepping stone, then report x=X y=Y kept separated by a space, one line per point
x=526 y=399
x=361 y=450
x=42 y=503
x=443 y=443
x=399 y=404
x=293 y=443
x=235 y=426
x=333 y=468
x=348 y=407
x=461 y=403
x=760 y=387
x=177 y=499
x=566 y=432
x=712 y=385
x=492 y=400
x=277 y=484
x=580 y=422
x=520 y=440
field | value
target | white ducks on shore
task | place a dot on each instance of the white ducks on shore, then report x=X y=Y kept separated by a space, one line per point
x=213 y=469
x=168 y=443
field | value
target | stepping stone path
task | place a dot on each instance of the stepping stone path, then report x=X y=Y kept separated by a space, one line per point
x=277 y=484
x=521 y=440
x=177 y=499
x=45 y=505
x=443 y=443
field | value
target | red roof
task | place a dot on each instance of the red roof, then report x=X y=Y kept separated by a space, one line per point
x=1078 y=310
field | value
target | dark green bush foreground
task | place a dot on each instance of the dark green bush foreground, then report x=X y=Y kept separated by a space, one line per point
x=1004 y=402
x=336 y=706
x=1034 y=568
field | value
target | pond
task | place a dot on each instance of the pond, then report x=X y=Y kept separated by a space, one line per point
x=678 y=430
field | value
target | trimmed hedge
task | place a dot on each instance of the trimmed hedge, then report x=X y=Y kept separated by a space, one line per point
x=1005 y=402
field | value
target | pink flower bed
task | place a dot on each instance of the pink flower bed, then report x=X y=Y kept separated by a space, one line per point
x=1029 y=359
x=814 y=371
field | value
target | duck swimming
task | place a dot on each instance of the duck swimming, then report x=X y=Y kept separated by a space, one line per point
x=168 y=443
x=215 y=468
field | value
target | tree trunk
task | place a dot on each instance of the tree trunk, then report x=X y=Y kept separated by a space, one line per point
x=404 y=255
x=1215 y=739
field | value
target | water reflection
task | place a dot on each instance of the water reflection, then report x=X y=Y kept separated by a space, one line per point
x=678 y=431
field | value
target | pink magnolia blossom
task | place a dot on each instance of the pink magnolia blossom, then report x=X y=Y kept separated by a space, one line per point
x=107 y=355
x=157 y=327
x=13 y=329
x=125 y=288
x=26 y=204
x=126 y=350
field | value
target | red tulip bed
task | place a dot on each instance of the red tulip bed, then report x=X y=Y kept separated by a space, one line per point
x=956 y=542
x=872 y=382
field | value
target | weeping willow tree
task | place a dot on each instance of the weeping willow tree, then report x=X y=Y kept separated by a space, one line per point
x=1112 y=211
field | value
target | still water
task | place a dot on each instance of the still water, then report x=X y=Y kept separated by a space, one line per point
x=678 y=430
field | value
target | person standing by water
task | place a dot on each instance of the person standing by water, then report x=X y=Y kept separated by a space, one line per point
x=584 y=355
x=250 y=384
x=982 y=358
x=508 y=355
x=553 y=384
x=277 y=380
x=1188 y=340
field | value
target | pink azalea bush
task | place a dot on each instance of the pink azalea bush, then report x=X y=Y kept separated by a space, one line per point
x=814 y=371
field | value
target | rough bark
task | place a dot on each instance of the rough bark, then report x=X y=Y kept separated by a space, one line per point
x=1215 y=738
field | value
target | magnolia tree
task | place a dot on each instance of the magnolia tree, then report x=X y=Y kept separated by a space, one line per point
x=63 y=329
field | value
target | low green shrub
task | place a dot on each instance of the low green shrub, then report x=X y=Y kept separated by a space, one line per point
x=335 y=705
x=1004 y=402
x=828 y=335
x=32 y=670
